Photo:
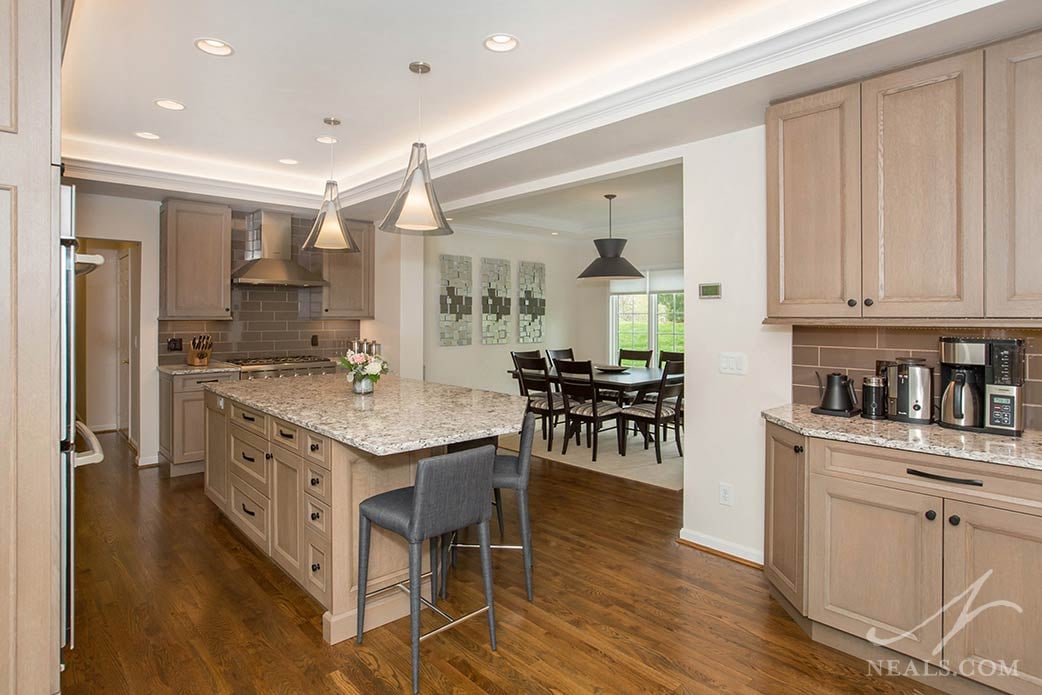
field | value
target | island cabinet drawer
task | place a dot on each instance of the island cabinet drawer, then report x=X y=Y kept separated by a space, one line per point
x=286 y=433
x=316 y=449
x=250 y=419
x=317 y=517
x=317 y=566
x=250 y=459
x=249 y=511
x=198 y=381
x=993 y=484
x=317 y=482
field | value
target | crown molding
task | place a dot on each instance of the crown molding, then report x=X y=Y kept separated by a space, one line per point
x=858 y=26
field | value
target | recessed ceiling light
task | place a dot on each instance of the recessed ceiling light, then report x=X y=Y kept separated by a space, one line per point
x=501 y=43
x=214 y=47
x=288 y=161
x=448 y=219
x=169 y=104
x=326 y=139
x=145 y=135
x=555 y=234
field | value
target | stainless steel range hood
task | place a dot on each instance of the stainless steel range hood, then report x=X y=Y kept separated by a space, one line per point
x=269 y=254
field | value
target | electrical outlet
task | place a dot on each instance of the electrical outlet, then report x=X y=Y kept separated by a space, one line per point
x=314 y=341
x=174 y=345
x=733 y=363
x=726 y=494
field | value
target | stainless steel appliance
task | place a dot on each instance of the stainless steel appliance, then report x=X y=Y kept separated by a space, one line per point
x=72 y=264
x=873 y=398
x=838 y=397
x=982 y=382
x=909 y=385
x=280 y=367
x=269 y=254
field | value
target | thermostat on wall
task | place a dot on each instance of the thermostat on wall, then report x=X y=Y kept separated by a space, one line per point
x=710 y=290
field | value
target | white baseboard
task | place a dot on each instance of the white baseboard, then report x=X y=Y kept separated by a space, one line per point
x=147 y=461
x=727 y=547
x=101 y=429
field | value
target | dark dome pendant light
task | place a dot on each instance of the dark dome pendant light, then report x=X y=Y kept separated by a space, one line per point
x=610 y=265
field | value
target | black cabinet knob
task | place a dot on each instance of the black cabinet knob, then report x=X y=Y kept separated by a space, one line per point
x=851 y=302
x=315 y=516
x=227 y=308
x=869 y=302
x=268 y=456
x=325 y=310
x=931 y=515
x=798 y=449
x=954 y=520
x=316 y=567
x=314 y=447
x=315 y=481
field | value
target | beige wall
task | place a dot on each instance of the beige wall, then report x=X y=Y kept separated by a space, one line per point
x=132 y=220
x=98 y=339
x=385 y=326
x=725 y=241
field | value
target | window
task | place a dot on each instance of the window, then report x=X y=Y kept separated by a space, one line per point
x=649 y=313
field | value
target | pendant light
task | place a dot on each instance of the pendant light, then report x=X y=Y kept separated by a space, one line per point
x=610 y=265
x=329 y=233
x=415 y=209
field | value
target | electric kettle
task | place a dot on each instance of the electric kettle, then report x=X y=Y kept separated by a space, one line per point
x=838 y=397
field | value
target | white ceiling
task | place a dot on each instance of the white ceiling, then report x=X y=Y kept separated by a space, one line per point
x=649 y=204
x=296 y=62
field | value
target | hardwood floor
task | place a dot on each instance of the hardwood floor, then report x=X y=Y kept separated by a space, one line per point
x=172 y=599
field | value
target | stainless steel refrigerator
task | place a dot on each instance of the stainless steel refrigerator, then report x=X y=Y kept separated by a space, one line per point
x=72 y=264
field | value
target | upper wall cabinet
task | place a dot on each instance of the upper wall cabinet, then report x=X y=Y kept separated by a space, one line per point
x=923 y=190
x=1013 y=152
x=195 y=260
x=350 y=277
x=814 y=205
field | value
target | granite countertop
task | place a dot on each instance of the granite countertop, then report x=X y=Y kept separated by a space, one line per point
x=215 y=367
x=403 y=414
x=1023 y=452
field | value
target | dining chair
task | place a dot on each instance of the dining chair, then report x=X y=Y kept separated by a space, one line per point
x=535 y=385
x=667 y=356
x=531 y=354
x=661 y=414
x=641 y=357
x=583 y=405
x=562 y=354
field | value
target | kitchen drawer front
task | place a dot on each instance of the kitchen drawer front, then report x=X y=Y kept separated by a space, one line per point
x=250 y=512
x=317 y=517
x=995 y=485
x=317 y=449
x=286 y=433
x=250 y=419
x=198 y=381
x=317 y=482
x=318 y=565
x=250 y=459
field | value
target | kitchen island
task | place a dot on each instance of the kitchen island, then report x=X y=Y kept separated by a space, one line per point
x=288 y=461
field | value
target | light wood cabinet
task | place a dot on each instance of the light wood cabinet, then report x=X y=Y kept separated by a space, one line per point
x=215 y=481
x=814 y=205
x=1001 y=551
x=287 y=519
x=195 y=260
x=875 y=563
x=189 y=438
x=1013 y=158
x=784 y=514
x=923 y=190
x=183 y=422
x=349 y=294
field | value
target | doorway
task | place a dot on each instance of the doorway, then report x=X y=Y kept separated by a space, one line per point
x=123 y=323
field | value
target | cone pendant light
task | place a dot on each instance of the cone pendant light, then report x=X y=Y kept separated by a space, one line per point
x=329 y=233
x=610 y=265
x=415 y=209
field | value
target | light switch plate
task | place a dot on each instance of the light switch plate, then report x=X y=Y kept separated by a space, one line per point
x=727 y=494
x=733 y=363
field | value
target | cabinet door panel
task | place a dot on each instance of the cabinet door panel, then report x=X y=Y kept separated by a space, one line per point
x=350 y=277
x=287 y=529
x=216 y=471
x=923 y=195
x=875 y=563
x=786 y=477
x=196 y=261
x=189 y=427
x=814 y=205
x=1001 y=550
x=1013 y=113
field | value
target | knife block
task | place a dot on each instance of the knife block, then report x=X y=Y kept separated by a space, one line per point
x=196 y=358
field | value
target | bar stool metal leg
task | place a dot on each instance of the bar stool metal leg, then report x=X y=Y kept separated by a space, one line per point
x=364 y=532
x=486 y=576
x=415 y=567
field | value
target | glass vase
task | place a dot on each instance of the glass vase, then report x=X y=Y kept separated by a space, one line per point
x=362 y=384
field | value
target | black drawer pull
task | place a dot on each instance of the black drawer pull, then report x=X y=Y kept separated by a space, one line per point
x=285 y=435
x=315 y=481
x=207 y=381
x=798 y=449
x=248 y=459
x=945 y=478
x=315 y=516
x=248 y=511
x=316 y=567
x=248 y=418
x=314 y=447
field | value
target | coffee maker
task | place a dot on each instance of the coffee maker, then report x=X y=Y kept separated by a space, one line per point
x=982 y=382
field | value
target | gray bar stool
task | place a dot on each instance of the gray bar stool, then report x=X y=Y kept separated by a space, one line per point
x=510 y=472
x=452 y=491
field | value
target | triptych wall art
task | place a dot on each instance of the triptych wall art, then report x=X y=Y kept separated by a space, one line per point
x=455 y=301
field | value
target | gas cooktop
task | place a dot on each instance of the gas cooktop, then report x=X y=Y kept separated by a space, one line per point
x=277 y=361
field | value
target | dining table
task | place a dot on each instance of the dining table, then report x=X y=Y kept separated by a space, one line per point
x=633 y=379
